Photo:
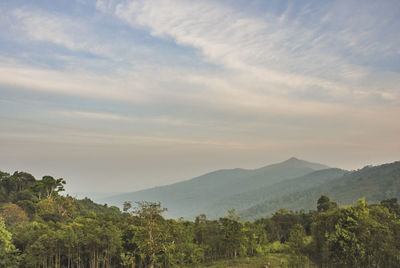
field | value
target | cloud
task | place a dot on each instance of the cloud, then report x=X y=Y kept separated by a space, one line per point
x=201 y=91
x=94 y=115
x=102 y=116
x=89 y=137
x=78 y=34
x=275 y=60
x=57 y=29
x=275 y=66
x=284 y=54
x=72 y=83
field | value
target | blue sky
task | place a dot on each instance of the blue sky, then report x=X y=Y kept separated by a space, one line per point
x=118 y=95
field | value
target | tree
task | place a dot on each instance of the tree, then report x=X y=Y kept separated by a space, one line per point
x=65 y=206
x=23 y=180
x=256 y=237
x=356 y=236
x=46 y=206
x=127 y=206
x=234 y=239
x=283 y=221
x=297 y=243
x=392 y=205
x=324 y=203
x=208 y=236
x=12 y=214
x=48 y=187
x=149 y=234
x=8 y=253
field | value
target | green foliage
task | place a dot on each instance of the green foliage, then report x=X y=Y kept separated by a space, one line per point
x=45 y=229
x=297 y=245
x=325 y=204
x=277 y=247
x=356 y=236
x=8 y=253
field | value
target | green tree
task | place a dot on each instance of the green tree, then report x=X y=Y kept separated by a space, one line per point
x=208 y=236
x=150 y=235
x=256 y=237
x=392 y=205
x=283 y=221
x=297 y=245
x=47 y=187
x=233 y=235
x=324 y=203
x=8 y=253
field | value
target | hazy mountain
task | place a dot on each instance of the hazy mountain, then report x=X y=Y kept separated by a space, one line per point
x=203 y=194
x=373 y=183
x=247 y=199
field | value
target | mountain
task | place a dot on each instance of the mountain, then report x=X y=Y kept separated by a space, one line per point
x=270 y=192
x=206 y=193
x=372 y=183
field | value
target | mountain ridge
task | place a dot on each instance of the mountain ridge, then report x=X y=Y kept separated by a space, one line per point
x=293 y=184
x=374 y=183
x=192 y=197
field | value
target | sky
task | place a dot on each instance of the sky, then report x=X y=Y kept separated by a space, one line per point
x=122 y=95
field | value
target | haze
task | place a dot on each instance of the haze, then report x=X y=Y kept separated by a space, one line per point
x=122 y=95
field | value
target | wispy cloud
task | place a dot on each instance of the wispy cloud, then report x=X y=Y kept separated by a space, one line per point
x=276 y=58
x=102 y=116
x=286 y=55
x=87 y=137
x=74 y=33
x=94 y=115
x=60 y=30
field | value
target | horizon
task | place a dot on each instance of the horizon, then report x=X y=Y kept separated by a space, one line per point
x=106 y=194
x=117 y=94
x=96 y=195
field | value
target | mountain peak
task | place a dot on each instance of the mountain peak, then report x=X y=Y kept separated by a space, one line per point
x=294 y=161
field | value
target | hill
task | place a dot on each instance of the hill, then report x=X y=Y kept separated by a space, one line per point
x=270 y=192
x=373 y=183
x=203 y=194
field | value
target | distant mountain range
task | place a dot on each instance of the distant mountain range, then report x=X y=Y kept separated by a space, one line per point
x=372 y=183
x=293 y=184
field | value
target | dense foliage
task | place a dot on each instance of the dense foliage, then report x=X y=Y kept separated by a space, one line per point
x=41 y=228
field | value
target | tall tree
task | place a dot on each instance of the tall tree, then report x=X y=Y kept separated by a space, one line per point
x=297 y=243
x=8 y=252
x=149 y=234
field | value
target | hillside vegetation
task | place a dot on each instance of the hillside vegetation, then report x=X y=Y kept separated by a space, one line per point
x=293 y=184
x=41 y=228
x=215 y=192
x=372 y=183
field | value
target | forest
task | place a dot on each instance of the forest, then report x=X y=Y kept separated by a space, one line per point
x=40 y=227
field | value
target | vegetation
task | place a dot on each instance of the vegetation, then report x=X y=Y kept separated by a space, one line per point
x=41 y=228
x=216 y=192
x=374 y=183
x=293 y=184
